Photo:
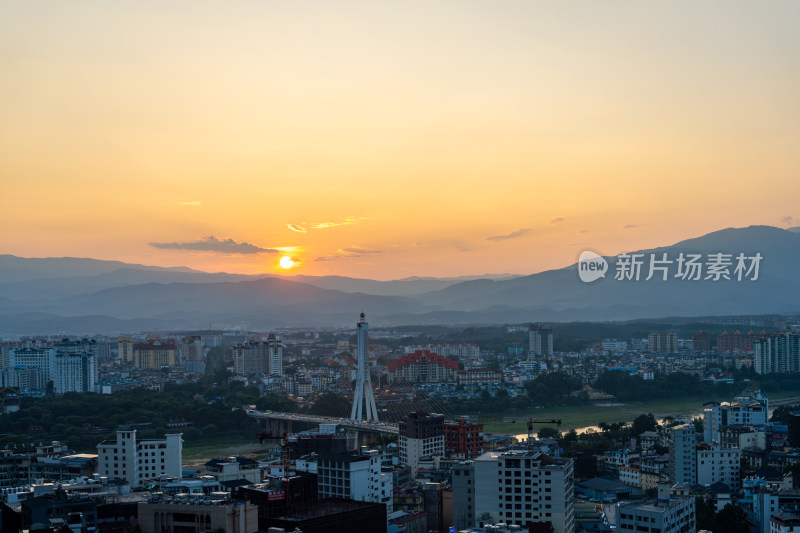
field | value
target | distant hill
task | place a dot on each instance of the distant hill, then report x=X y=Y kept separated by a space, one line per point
x=400 y=287
x=560 y=291
x=83 y=296
x=13 y=268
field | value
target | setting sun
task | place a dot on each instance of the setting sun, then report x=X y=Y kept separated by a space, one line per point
x=286 y=262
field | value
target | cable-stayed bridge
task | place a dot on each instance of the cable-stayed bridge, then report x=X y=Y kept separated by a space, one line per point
x=285 y=420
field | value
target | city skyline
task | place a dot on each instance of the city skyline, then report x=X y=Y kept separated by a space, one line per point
x=386 y=141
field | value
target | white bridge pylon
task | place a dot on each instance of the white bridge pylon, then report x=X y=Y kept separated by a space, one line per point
x=363 y=398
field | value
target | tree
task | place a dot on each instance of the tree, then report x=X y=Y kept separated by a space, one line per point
x=548 y=433
x=331 y=404
x=704 y=515
x=551 y=389
x=732 y=519
x=644 y=423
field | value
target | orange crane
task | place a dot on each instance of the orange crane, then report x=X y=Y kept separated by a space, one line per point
x=285 y=456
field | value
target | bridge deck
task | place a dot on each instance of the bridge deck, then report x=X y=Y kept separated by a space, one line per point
x=379 y=427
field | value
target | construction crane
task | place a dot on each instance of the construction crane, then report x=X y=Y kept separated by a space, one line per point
x=532 y=421
x=285 y=456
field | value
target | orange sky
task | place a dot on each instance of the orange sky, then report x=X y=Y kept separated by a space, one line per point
x=409 y=133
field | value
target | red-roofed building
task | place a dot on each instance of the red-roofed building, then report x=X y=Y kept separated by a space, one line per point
x=423 y=366
x=737 y=341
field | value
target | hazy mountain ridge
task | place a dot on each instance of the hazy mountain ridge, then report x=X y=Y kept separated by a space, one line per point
x=13 y=268
x=182 y=298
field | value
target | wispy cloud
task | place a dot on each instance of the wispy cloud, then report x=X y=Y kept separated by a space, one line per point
x=344 y=253
x=303 y=227
x=191 y=202
x=557 y=220
x=346 y=222
x=212 y=244
x=630 y=226
x=512 y=235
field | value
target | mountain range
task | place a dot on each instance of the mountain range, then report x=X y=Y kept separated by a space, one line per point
x=87 y=296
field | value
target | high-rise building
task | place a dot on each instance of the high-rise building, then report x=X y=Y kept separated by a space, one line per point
x=420 y=435
x=662 y=343
x=259 y=357
x=274 y=355
x=671 y=342
x=717 y=464
x=33 y=366
x=523 y=488
x=139 y=460
x=654 y=340
x=779 y=352
x=249 y=359
x=191 y=348
x=737 y=341
x=154 y=354
x=540 y=340
x=683 y=454
x=125 y=349
x=463 y=481
x=701 y=341
x=74 y=373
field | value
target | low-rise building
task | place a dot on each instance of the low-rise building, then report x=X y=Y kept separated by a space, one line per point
x=197 y=513
x=140 y=460
x=658 y=516
x=630 y=475
x=355 y=476
x=463 y=439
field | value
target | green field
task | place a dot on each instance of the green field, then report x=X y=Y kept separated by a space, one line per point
x=196 y=452
x=199 y=451
x=579 y=416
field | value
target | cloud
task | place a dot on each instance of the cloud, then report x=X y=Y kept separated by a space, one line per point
x=303 y=227
x=557 y=220
x=212 y=244
x=788 y=220
x=191 y=202
x=584 y=231
x=344 y=253
x=630 y=226
x=346 y=222
x=512 y=235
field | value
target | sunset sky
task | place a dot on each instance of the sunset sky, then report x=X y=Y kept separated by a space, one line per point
x=391 y=139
